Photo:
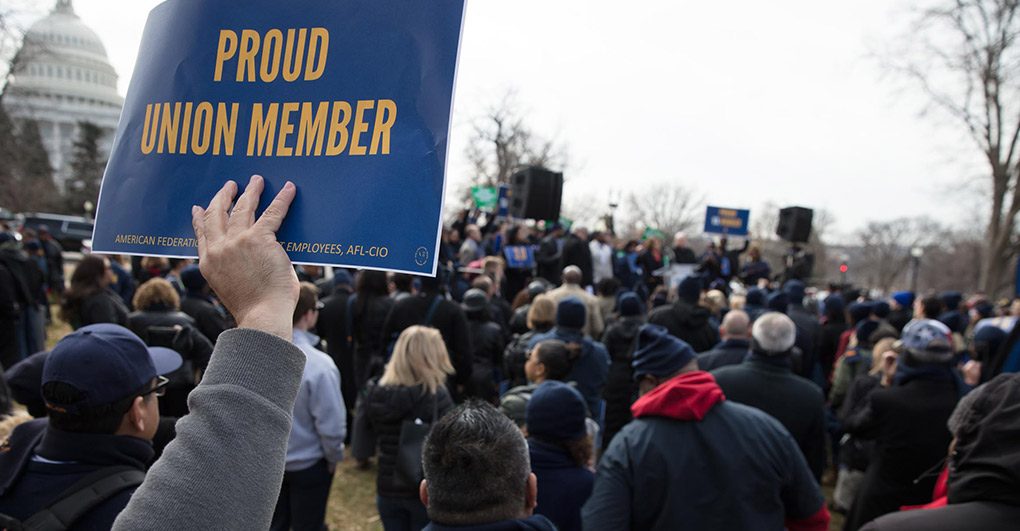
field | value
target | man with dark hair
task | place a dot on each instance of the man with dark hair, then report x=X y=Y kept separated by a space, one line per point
x=317 y=434
x=691 y=459
x=478 y=473
x=100 y=385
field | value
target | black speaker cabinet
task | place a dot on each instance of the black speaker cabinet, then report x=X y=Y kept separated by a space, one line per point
x=795 y=224
x=536 y=193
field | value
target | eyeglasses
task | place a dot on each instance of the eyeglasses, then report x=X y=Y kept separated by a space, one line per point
x=160 y=388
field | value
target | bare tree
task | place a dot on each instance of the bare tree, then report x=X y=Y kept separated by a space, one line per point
x=965 y=57
x=502 y=143
x=667 y=206
x=884 y=258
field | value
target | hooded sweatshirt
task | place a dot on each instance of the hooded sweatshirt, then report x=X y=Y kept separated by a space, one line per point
x=692 y=460
x=984 y=471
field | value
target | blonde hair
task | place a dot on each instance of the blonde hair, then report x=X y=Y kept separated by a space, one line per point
x=419 y=358
x=884 y=345
x=156 y=291
x=542 y=312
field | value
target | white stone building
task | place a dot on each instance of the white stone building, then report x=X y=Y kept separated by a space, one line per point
x=62 y=77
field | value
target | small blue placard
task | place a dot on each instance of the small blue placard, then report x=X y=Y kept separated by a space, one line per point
x=519 y=256
x=728 y=221
x=350 y=99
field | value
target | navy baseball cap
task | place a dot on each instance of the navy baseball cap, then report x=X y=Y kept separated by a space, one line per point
x=106 y=363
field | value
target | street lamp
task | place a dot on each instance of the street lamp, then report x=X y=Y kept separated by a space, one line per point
x=88 y=206
x=915 y=265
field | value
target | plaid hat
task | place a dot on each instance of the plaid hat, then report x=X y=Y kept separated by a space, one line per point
x=658 y=353
x=928 y=341
x=106 y=363
x=556 y=412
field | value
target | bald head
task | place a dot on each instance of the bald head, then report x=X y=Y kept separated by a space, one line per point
x=735 y=325
x=572 y=275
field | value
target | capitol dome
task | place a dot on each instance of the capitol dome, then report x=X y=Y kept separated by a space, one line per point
x=62 y=76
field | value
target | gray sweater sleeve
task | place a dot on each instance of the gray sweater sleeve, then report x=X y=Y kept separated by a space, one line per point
x=225 y=467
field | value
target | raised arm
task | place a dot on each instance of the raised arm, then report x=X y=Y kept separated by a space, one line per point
x=225 y=467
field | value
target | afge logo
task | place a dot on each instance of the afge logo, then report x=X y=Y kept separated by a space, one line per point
x=421 y=256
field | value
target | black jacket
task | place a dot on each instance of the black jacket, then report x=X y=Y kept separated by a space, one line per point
x=689 y=323
x=619 y=339
x=828 y=344
x=160 y=329
x=548 y=259
x=448 y=318
x=794 y=401
x=103 y=306
x=207 y=318
x=563 y=485
x=370 y=315
x=532 y=523
x=728 y=352
x=333 y=325
x=27 y=486
x=377 y=425
x=854 y=452
x=984 y=485
x=487 y=346
x=808 y=332
x=908 y=425
x=577 y=253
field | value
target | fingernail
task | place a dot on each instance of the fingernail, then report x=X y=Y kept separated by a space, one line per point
x=254 y=179
x=195 y=209
x=228 y=183
x=289 y=186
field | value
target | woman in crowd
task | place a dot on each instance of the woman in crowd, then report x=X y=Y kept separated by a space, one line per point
x=551 y=359
x=160 y=323
x=855 y=453
x=907 y=421
x=89 y=300
x=410 y=389
x=541 y=319
x=561 y=453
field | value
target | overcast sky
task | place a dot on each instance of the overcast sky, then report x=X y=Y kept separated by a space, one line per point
x=746 y=101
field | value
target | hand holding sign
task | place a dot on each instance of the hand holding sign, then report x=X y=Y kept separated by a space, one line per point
x=240 y=257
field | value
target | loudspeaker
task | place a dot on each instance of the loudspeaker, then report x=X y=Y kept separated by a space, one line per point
x=535 y=193
x=795 y=224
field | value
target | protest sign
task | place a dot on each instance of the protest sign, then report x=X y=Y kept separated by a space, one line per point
x=519 y=256
x=486 y=197
x=349 y=99
x=729 y=221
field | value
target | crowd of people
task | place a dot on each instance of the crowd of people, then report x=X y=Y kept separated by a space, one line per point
x=582 y=387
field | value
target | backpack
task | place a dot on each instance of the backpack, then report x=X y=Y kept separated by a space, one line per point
x=78 y=499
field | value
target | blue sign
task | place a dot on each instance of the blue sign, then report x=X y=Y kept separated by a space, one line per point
x=728 y=221
x=349 y=99
x=503 y=208
x=519 y=256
